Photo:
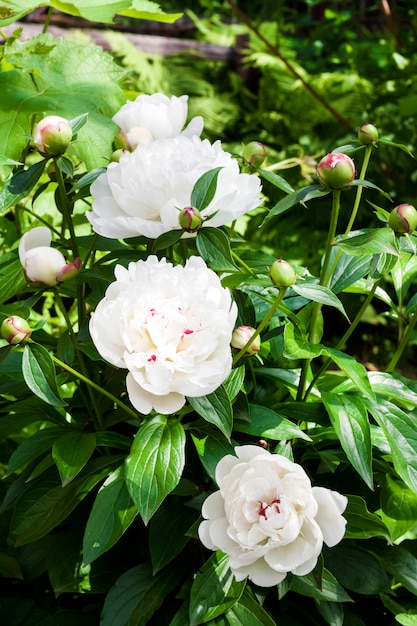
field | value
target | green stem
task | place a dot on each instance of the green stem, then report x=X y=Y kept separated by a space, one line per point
x=262 y=325
x=404 y=341
x=89 y=382
x=67 y=210
x=243 y=264
x=47 y=19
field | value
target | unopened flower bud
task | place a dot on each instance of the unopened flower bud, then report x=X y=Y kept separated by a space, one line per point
x=240 y=338
x=70 y=270
x=282 y=274
x=368 y=133
x=52 y=135
x=41 y=263
x=336 y=170
x=117 y=154
x=254 y=153
x=121 y=142
x=403 y=219
x=15 y=329
x=190 y=219
x=136 y=136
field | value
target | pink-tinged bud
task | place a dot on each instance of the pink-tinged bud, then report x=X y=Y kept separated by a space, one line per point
x=117 y=154
x=403 y=219
x=254 y=153
x=282 y=274
x=15 y=330
x=240 y=338
x=190 y=219
x=52 y=135
x=368 y=133
x=336 y=170
x=136 y=136
x=70 y=270
x=121 y=142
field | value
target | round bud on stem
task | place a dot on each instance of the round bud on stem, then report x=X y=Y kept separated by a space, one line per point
x=403 y=219
x=282 y=274
x=15 y=330
x=52 y=135
x=336 y=170
x=117 y=154
x=368 y=133
x=254 y=153
x=190 y=219
x=240 y=337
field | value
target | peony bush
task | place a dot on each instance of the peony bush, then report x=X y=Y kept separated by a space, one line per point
x=186 y=436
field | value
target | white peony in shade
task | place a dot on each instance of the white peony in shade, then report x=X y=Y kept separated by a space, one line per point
x=156 y=116
x=170 y=327
x=142 y=193
x=268 y=518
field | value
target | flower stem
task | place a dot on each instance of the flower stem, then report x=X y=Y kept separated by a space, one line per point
x=368 y=151
x=47 y=19
x=403 y=343
x=262 y=325
x=66 y=210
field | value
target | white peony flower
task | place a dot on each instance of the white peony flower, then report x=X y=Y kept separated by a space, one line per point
x=142 y=193
x=156 y=117
x=41 y=263
x=170 y=326
x=268 y=518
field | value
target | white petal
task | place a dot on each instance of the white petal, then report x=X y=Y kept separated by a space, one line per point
x=213 y=506
x=259 y=573
x=144 y=402
x=39 y=236
x=331 y=505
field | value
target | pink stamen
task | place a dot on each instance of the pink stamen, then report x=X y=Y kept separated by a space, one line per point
x=263 y=507
x=152 y=358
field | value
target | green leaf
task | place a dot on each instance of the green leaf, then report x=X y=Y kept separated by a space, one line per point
x=349 y=418
x=275 y=179
x=78 y=122
x=348 y=269
x=361 y=523
x=300 y=196
x=246 y=610
x=19 y=186
x=12 y=280
x=87 y=179
x=233 y=383
x=267 y=423
x=31 y=448
x=71 y=452
x=214 y=590
x=406 y=619
x=400 y=430
x=65 y=165
x=318 y=293
x=394 y=387
x=357 y=570
x=400 y=146
x=39 y=373
x=167 y=532
x=370 y=241
x=214 y=247
x=330 y=589
x=112 y=513
x=155 y=463
x=366 y=183
x=216 y=409
x=211 y=446
x=398 y=507
x=205 y=189
x=167 y=239
x=136 y=595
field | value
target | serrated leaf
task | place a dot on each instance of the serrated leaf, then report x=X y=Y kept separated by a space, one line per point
x=216 y=409
x=204 y=189
x=71 y=452
x=349 y=418
x=112 y=513
x=214 y=247
x=155 y=463
x=214 y=590
x=318 y=293
x=39 y=373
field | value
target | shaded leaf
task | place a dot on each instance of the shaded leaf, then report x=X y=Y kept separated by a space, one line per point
x=39 y=374
x=215 y=408
x=71 y=452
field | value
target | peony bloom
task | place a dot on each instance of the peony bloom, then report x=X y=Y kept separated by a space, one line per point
x=268 y=518
x=41 y=263
x=155 y=117
x=170 y=326
x=142 y=193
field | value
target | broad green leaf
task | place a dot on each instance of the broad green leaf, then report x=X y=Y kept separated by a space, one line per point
x=19 y=186
x=211 y=447
x=265 y=422
x=31 y=448
x=205 y=189
x=246 y=610
x=71 y=453
x=246 y=311
x=395 y=387
x=318 y=293
x=275 y=179
x=400 y=430
x=330 y=589
x=370 y=241
x=332 y=612
x=348 y=270
x=136 y=595
x=350 y=421
x=233 y=383
x=367 y=183
x=44 y=504
x=214 y=247
x=112 y=513
x=357 y=569
x=216 y=409
x=167 y=531
x=12 y=281
x=155 y=463
x=398 y=507
x=167 y=239
x=39 y=374
x=299 y=196
x=406 y=619
x=361 y=523
x=214 y=590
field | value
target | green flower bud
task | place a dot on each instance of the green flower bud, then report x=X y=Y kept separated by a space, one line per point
x=52 y=135
x=115 y=157
x=190 y=219
x=254 y=153
x=403 y=219
x=121 y=142
x=240 y=338
x=15 y=330
x=368 y=133
x=282 y=274
x=336 y=170
x=70 y=270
